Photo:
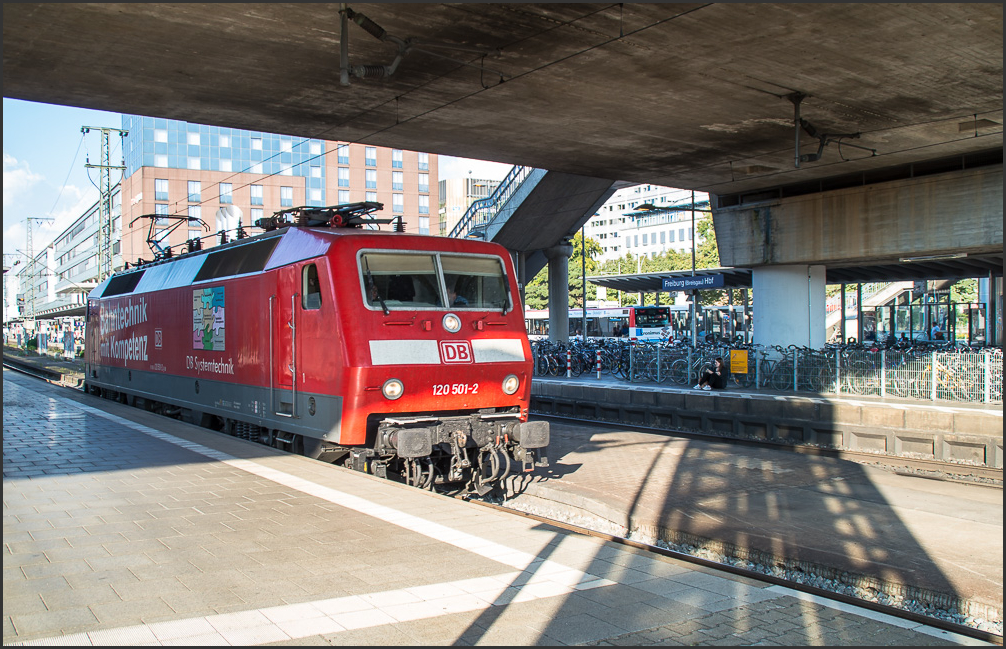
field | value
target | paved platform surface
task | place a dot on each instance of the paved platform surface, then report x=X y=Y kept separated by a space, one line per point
x=943 y=537
x=121 y=527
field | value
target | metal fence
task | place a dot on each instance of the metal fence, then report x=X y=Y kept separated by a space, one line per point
x=957 y=375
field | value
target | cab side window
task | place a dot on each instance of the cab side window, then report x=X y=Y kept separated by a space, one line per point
x=311 y=288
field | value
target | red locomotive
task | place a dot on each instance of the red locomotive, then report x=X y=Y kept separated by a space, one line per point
x=398 y=355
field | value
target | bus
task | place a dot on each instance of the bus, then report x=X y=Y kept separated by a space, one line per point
x=650 y=323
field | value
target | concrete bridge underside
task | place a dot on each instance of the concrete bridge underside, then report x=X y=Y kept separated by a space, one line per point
x=697 y=96
x=684 y=95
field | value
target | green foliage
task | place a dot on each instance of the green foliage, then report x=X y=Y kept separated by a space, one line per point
x=536 y=291
x=965 y=290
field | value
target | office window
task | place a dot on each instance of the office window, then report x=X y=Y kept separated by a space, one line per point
x=671 y=232
x=160 y=135
x=371 y=179
x=371 y=197
x=644 y=240
x=286 y=196
x=160 y=161
x=256 y=144
x=160 y=208
x=314 y=148
x=424 y=225
x=316 y=172
x=256 y=195
x=226 y=193
x=397 y=181
x=225 y=165
x=424 y=161
x=286 y=170
x=225 y=141
x=396 y=158
x=343 y=154
x=343 y=196
x=397 y=203
x=256 y=214
x=195 y=212
x=192 y=138
x=663 y=237
x=195 y=234
x=194 y=164
x=285 y=145
x=195 y=189
x=343 y=177
x=256 y=168
x=371 y=156
x=424 y=183
x=635 y=242
x=160 y=189
x=424 y=205
x=315 y=195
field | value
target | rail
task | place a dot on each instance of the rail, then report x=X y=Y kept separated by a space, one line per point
x=481 y=212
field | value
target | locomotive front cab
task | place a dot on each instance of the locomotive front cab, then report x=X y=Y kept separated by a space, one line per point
x=453 y=366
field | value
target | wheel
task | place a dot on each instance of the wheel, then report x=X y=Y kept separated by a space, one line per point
x=782 y=377
x=679 y=372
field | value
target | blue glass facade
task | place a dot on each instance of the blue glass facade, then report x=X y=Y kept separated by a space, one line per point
x=174 y=144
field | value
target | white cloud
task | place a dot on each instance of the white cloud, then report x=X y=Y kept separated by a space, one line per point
x=18 y=179
x=13 y=238
x=72 y=204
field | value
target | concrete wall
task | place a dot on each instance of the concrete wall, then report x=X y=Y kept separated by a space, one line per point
x=953 y=435
x=951 y=212
x=789 y=305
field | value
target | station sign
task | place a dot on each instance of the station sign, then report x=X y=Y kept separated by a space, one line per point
x=716 y=280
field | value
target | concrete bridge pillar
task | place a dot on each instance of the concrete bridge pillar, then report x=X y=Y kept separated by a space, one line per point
x=789 y=305
x=558 y=290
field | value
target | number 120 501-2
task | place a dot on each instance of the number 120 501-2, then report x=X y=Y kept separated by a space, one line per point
x=441 y=389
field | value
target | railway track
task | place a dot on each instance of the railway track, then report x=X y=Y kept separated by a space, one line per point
x=916 y=467
x=893 y=611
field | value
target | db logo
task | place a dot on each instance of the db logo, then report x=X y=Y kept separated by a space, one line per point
x=456 y=351
x=158 y=338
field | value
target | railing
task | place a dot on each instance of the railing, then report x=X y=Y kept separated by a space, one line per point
x=927 y=372
x=482 y=211
x=869 y=291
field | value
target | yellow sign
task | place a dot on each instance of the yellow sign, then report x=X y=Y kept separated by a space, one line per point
x=739 y=361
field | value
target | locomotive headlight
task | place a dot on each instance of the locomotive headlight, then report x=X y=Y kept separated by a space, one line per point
x=452 y=323
x=510 y=384
x=392 y=389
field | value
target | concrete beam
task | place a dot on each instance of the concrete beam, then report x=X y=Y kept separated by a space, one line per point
x=944 y=213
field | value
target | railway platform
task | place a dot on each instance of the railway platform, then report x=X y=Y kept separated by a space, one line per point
x=122 y=527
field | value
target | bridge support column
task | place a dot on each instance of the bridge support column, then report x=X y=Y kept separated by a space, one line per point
x=558 y=291
x=789 y=305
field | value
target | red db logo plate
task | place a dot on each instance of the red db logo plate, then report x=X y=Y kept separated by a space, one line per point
x=456 y=351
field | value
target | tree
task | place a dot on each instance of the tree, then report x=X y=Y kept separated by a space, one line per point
x=706 y=256
x=536 y=291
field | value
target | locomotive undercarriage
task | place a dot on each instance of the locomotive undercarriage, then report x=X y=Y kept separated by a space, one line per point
x=474 y=452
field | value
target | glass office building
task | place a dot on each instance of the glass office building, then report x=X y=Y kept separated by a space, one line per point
x=186 y=181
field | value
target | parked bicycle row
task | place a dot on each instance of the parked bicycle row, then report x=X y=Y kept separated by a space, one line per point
x=934 y=372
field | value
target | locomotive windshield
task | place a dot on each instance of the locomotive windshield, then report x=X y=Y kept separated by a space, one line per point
x=396 y=281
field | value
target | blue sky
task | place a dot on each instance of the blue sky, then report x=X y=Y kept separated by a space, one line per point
x=44 y=153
